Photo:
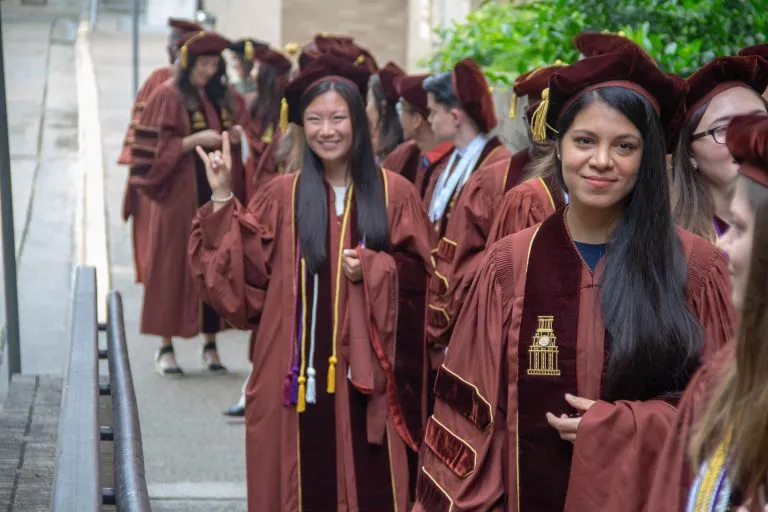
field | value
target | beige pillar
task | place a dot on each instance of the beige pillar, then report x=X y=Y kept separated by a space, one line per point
x=260 y=19
x=419 y=34
x=158 y=12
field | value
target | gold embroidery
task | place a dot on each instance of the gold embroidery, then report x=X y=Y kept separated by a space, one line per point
x=543 y=354
x=198 y=121
x=226 y=118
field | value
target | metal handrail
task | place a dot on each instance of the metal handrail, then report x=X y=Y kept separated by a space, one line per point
x=131 y=493
x=77 y=484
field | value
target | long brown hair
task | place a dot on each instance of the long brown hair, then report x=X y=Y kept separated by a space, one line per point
x=740 y=401
x=692 y=205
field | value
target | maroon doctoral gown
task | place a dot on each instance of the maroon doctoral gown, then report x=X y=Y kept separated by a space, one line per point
x=349 y=450
x=530 y=332
x=135 y=204
x=176 y=183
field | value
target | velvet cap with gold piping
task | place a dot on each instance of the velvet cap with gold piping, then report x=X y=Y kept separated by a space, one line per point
x=532 y=84
x=629 y=67
x=341 y=47
x=202 y=43
x=747 y=140
x=183 y=25
x=474 y=95
x=246 y=48
x=724 y=73
x=387 y=76
x=325 y=67
x=273 y=58
x=411 y=89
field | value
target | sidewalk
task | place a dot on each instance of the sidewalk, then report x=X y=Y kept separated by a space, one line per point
x=194 y=456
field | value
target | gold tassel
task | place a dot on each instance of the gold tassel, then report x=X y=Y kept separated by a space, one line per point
x=359 y=60
x=301 y=405
x=183 y=58
x=266 y=138
x=513 y=107
x=283 y=115
x=249 y=50
x=292 y=49
x=332 y=374
x=539 y=119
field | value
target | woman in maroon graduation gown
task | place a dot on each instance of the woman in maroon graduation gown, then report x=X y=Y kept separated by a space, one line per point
x=321 y=261
x=192 y=109
x=386 y=132
x=578 y=332
x=722 y=413
x=704 y=173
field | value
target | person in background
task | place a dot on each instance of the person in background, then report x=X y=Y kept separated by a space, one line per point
x=386 y=132
x=579 y=333
x=465 y=195
x=317 y=261
x=421 y=155
x=716 y=457
x=136 y=206
x=539 y=195
x=244 y=64
x=703 y=172
x=193 y=109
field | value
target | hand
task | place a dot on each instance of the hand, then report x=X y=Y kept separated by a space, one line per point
x=351 y=266
x=236 y=133
x=566 y=425
x=209 y=139
x=218 y=167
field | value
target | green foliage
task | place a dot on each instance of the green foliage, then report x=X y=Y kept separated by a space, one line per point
x=682 y=35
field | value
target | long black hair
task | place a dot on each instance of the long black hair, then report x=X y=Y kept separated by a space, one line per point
x=217 y=88
x=265 y=108
x=372 y=220
x=389 y=130
x=653 y=339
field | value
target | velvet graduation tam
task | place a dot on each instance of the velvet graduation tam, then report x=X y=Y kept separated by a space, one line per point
x=724 y=73
x=246 y=48
x=341 y=47
x=591 y=44
x=201 y=43
x=761 y=50
x=411 y=89
x=183 y=25
x=532 y=84
x=629 y=67
x=273 y=58
x=325 y=67
x=387 y=76
x=747 y=140
x=474 y=95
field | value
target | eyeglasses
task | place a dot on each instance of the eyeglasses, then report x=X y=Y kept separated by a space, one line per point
x=718 y=134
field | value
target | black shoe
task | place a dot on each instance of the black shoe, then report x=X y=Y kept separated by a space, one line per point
x=211 y=367
x=173 y=371
x=237 y=411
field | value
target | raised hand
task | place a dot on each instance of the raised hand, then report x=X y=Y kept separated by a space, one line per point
x=218 y=168
x=209 y=139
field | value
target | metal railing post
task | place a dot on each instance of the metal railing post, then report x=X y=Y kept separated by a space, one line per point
x=77 y=483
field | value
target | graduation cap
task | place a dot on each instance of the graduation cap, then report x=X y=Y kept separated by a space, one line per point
x=411 y=89
x=273 y=58
x=387 y=76
x=532 y=84
x=723 y=73
x=629 y=67
x=341 y=47
x=201 y=43
x=591 y=44
x=323 y=68
x=761 y=50
x=474 y=94
x=183 y=25
x=246 y=48
x=747 y=140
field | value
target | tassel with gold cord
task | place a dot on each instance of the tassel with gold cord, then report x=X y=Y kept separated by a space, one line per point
x=248 y=50
x=539 y=119
x=283 y=115
x=301 y=403
x=332 y=374
x=183 y=57
x=513 y=107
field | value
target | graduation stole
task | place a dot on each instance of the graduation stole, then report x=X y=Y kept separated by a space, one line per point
x=547 y=364
x=300 y=386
